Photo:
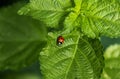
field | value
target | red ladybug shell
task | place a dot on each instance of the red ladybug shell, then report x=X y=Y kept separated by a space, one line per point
x=60 y=40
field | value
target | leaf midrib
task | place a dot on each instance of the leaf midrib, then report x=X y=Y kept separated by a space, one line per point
x=67 y=71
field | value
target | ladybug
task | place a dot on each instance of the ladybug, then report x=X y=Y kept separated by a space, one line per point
x=60 y=40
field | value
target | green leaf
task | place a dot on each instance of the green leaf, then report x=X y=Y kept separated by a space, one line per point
x=112 y=62
x=77 y=58
x=93 y=17
x=21 y=38
x=100 y=17
x=51 y=12
x=70 y=20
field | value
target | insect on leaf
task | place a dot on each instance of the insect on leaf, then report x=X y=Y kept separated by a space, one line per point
x=76 y=58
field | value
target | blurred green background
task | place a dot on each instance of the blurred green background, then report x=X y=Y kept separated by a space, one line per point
x=30 y=72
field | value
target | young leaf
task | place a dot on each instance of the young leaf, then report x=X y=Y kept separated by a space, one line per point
x=51 y=12
x=112 y=63
x=21 y=38
x=93 y=17
x=77 y=58
x=100 y=17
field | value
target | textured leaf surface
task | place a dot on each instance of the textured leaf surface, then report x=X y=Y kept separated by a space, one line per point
x=21 y=38
x=112 y=63
x=93 y=17
x=76 y=58
x=100 y=17
x=49 y=11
